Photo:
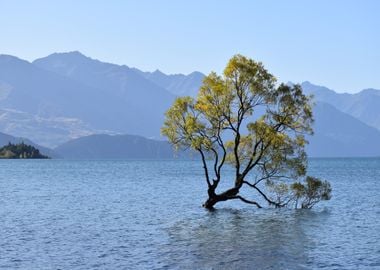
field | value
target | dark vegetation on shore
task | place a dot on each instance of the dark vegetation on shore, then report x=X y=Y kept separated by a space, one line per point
x=20 y=151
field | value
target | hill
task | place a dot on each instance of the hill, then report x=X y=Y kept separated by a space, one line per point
x=20 y=151
x=104 y=146
x=5 y=139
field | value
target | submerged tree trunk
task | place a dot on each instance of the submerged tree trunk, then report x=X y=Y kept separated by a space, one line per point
x=215 y=198
x=230 y=194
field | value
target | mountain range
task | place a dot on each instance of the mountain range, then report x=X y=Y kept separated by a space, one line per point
x=61 y=101
x=364 y=105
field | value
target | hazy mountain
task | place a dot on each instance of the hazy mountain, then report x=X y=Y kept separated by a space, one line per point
x=115 y=147
x=47 y=107
x=178 y=84
x=337 y=134
x=5 y=139
x=25 y=87
x=49 y=132
x=68 y=95
x=364 y=105
x=131 y=103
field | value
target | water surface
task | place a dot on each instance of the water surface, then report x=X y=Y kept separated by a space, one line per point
x=57 y=214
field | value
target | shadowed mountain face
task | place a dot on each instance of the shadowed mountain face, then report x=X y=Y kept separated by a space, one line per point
x=364 y=105
x=115 y=147
x=337 y=134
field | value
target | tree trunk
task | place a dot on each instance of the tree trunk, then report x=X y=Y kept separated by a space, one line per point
x=214 y=198
x=230 y=194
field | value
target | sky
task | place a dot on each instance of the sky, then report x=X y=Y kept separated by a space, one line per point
x=331 y=43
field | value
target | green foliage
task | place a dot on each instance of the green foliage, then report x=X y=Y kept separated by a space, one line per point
x=242 y=118
x=20 y=151
x=311 y=192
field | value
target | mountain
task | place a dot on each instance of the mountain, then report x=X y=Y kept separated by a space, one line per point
x=47 y=107
x=177 y=84
x=48 y=131
x=66 y=96
x=33 y=90
x=364 y=105
x=129 y=102
x=104 y=146
x=6 y=139
x=337 y=134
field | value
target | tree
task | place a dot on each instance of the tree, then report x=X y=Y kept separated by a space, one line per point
x=21 y=150
x=243 y=119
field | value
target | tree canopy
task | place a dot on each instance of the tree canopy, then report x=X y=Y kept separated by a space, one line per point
x=20 y=151
x=243 y=119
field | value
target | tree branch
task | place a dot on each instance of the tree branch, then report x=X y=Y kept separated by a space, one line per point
x=205 y=167
x=263 y=194
x=246 y=201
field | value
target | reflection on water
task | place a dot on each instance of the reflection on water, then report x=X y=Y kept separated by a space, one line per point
x=266 y=239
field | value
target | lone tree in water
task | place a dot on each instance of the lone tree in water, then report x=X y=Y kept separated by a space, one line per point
x=243 y=119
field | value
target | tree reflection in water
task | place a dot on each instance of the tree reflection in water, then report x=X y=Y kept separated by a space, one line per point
x=242 y=239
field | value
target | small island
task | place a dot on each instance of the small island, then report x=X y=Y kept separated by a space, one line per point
x=20 y=151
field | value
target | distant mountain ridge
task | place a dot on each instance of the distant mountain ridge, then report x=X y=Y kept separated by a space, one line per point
x=337 y=134
x=34 y=100
x=177 y=84
x=364 y=105
x=128 y=103
x=66 y=96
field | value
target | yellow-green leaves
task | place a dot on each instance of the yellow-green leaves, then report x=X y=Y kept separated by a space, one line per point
x=227 y=105
x=249 y=77
x=242 y=118
x=180 y=122
x=311 y=191
x=214 y=100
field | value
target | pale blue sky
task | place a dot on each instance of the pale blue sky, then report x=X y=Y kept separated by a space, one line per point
x=332 y=43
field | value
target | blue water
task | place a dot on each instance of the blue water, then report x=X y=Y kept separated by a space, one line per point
x=57 y=214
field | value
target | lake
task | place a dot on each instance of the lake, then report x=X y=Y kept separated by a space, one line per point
x=57 y=214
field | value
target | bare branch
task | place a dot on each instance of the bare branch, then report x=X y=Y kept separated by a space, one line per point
x=246 y=201
x=263 y=194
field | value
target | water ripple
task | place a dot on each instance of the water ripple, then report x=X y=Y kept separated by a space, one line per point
x=59 y=214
